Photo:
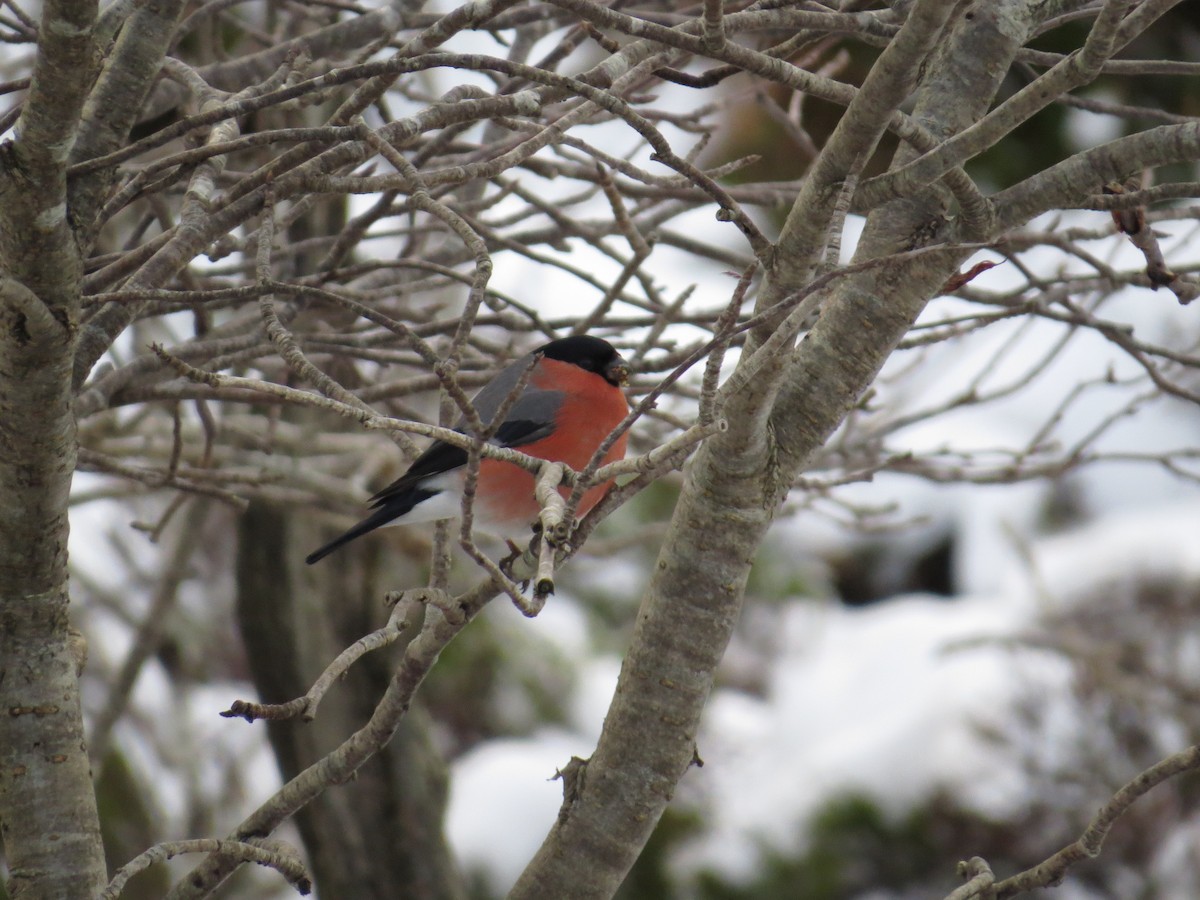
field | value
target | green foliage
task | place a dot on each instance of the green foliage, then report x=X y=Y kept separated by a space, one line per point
x=780 y=574
x=852 y=846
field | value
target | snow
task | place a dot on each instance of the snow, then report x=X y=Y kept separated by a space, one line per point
x=887 y=699
x=503 y=801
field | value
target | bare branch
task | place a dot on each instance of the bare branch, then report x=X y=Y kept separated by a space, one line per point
x=274 y=855
x=1051 y=871
x=399 y=623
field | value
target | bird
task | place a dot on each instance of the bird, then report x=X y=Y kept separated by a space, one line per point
x=572 y=401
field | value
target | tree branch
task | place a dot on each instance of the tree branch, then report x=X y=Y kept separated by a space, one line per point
x=51 y=827
x=445 y=617
x=280 y=857
x=1074 y=71
x=115 y=102
x=1051 y=871
x=1068 y=183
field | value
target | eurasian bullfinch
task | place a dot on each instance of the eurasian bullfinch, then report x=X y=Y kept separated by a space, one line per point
x=572 y=400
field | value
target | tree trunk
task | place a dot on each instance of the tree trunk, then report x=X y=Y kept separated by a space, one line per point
x=48 y=811
x=379 y=835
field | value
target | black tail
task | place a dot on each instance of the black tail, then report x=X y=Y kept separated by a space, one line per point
x=393 y=508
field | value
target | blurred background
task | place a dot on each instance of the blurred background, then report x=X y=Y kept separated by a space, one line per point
x=969 y=627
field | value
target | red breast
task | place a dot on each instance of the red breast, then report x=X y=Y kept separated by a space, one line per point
x=590 y=410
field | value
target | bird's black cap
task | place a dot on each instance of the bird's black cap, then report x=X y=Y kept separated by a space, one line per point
x=591 y=354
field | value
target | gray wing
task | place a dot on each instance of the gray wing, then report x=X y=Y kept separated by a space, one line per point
x=530 y=419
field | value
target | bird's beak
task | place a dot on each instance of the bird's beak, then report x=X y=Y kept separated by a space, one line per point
x=617 y=372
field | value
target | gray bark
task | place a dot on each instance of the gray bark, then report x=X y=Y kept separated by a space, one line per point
x=47 y=807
